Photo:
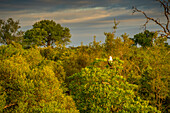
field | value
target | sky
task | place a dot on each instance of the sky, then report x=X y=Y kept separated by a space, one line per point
x=85 y=18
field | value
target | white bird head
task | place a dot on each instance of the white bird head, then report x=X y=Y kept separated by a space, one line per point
x=110 y=61
x=110 y=58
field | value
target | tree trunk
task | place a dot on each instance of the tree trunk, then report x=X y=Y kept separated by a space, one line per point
x=48 y=43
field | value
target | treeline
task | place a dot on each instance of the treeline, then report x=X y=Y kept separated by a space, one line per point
x=38 y=75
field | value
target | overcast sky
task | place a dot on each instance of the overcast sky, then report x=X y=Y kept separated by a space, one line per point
x=84 y=18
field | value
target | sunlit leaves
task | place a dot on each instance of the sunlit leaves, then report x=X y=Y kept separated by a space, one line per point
x=144 y=39
x=102 y=90
x=9 y=31
x=47 y=32
x=35 y=36
x=29 y=83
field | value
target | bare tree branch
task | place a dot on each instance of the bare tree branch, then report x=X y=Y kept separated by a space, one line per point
x=166 y=12
x=157 y=21
x=9 y=105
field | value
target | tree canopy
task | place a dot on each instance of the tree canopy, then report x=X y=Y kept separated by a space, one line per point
x=47 y=32
x=97 y=90
x=78 y=79
x=31 y=84
x=144 y=39
x=166 y=13
x=9 y=31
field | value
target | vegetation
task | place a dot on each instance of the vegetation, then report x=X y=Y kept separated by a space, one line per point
x=78 y=79
x=29 y=83
x=165 y=26
x=9 y=31
x=47 y=32
x=103 y=91
x=144 y=39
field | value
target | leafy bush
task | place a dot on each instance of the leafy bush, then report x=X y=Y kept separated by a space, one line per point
x=103 y=90
x=30 y=84
x=27 y=77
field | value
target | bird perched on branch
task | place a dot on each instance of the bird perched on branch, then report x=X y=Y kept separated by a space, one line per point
x=110 y=61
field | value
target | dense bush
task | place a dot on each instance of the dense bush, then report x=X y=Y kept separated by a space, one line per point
x=44 y=79
x=103 y=90
x=28 y=83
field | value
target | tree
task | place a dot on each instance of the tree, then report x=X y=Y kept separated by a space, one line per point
x=149 y=69
x=110 y=41
x=29 y=83
x=144 y=39
x=165 y=26
x=47 y=32
x=98 y=90
x=9 y=31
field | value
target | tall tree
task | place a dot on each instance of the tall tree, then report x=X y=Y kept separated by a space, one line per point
x=144 y=39
x=164 y=26
x=110 y=41
x=9 y=31
x=47 y=32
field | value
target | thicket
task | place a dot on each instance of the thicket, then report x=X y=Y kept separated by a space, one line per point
x=62 y=79
x=31 y=83
x=97 y=90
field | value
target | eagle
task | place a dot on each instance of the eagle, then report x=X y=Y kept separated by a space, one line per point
x=110 y=61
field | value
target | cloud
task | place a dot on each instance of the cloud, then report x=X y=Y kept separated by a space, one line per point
x=83 y=17
x=65 y=16
x=53 y=5
x=93 y=13
x=94 y=17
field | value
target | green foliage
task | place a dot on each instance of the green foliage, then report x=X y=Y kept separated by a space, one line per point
x=41 y=79
x=103 y=90
x=28 y=83
x=116 y=46
x=9 y=31
x=150 y=70
x=109 y=42
x=35 y=36
x=144 y=39
x=2 y=99
x=47 y=32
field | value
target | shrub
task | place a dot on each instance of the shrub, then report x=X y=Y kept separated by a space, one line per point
x=27 y=84
x=103 y=90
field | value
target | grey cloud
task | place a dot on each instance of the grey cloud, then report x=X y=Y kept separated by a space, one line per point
x=52 y=5
x=30 y=11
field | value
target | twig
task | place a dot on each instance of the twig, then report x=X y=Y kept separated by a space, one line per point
x=9 y=105
x=157 y=21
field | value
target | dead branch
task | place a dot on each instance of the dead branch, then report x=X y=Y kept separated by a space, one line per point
x=9 y=105
x=106 y=83
x=166 y=12
x=157 y=21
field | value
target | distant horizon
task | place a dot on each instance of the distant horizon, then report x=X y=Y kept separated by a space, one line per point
x=85 y=18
